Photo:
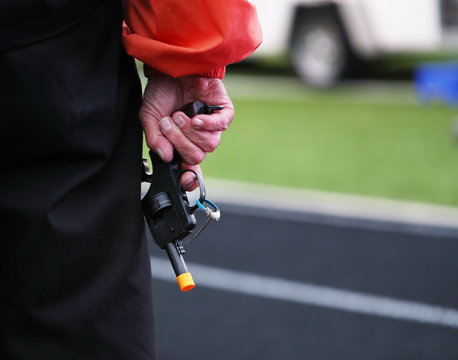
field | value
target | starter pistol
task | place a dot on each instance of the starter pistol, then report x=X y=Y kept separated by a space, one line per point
x=166 y=207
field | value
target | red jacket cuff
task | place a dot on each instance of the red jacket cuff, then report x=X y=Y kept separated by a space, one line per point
x=216 y=73
x=164 y=35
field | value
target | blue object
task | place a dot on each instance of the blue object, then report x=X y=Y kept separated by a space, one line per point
x=199 y=204
x=437 y=82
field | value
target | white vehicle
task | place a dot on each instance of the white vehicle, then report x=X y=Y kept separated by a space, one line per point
x=325 y=37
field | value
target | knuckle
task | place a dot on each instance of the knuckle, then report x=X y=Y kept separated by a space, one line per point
x=212 y=144
x=197 y=157
x=218 y=123
x=225 y=125
x=151 y=142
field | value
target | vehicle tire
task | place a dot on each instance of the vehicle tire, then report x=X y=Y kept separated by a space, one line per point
x=320 y=53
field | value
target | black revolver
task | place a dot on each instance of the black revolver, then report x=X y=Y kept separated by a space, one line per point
x=166 y=208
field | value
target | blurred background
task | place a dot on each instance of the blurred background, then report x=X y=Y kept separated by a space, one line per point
x=338 y=184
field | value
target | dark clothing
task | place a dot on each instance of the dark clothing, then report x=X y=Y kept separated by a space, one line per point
x=75 y=265
x=25 y=21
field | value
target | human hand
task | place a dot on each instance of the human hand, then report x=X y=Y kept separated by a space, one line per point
x=191 y=138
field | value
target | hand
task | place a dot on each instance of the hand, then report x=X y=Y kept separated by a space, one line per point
x=192 y=138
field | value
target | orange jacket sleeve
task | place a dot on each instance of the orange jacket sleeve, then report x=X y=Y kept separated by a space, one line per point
x=183 y=37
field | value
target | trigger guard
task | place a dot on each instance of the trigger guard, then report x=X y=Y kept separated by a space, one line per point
x=202 y=191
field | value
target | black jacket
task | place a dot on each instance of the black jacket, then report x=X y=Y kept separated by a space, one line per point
x=26 y=21
x=75 y=268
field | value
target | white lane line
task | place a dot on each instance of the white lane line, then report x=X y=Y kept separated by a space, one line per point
x=309 y=294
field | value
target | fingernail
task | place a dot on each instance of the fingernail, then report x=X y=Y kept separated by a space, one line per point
x=165 y=124
x=159 y=152
x=179 y=121
x=197 y=122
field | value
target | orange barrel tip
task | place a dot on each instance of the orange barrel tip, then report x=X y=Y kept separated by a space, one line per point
x=186 y=281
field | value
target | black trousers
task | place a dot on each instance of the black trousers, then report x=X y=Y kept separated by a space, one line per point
x=75 y=267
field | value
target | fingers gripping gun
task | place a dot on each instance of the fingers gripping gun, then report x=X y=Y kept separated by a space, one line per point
x=166 y=207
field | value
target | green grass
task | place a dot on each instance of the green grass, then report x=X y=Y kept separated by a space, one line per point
x=366 y=139
x=375 y=143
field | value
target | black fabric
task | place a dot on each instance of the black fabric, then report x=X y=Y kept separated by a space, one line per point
x=26 y=21
x=75 y=266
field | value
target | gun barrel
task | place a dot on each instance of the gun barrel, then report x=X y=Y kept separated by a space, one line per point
x=184 y=277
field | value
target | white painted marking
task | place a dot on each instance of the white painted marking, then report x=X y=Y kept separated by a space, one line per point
x=309 y=294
